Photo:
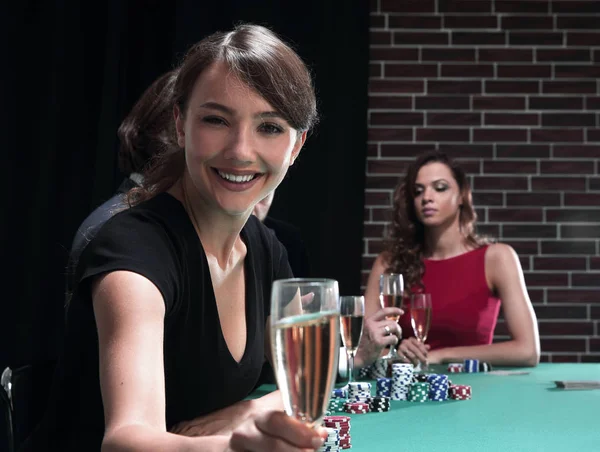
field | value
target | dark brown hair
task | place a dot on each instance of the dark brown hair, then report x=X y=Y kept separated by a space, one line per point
x=258 y=57
x=148 y=129
x=406 y=237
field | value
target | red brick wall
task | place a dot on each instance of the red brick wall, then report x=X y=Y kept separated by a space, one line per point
x=511 y=89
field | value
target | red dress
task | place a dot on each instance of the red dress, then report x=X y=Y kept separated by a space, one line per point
x=464 y=310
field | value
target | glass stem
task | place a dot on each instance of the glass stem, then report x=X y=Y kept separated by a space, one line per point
x=350 y=367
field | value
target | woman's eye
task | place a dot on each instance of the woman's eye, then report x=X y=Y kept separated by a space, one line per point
x=270 y=129
x=441 y=188
x=213 y=120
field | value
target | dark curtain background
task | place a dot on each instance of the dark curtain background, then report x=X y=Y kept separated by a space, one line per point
x=72 y=69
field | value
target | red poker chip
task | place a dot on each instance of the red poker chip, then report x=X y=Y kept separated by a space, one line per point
x=336 y=419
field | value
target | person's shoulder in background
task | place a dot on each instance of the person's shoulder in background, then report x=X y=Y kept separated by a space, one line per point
x=291 y=238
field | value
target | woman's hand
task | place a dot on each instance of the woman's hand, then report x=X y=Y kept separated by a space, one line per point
x=378 y=333
x=275 y=431
x=413 y=351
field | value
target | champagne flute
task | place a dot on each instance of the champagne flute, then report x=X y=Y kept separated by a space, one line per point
x=420 y=317
x=391 y=292
x=305 y=342
x=352 y=314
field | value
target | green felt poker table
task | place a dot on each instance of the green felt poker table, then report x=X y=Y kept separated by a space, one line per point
x=506 y=413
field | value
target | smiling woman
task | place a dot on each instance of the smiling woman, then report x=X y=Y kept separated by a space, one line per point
x=433 y=244
x=166 y=331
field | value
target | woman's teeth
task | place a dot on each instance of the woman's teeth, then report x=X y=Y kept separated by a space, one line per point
x=236 y=178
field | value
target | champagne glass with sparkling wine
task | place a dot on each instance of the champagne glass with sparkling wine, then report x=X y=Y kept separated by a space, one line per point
x=352 y=314
x=420 y=316
x=391 y=293
x=305 y=342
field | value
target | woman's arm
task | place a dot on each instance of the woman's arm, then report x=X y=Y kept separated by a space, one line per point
x=504 y=273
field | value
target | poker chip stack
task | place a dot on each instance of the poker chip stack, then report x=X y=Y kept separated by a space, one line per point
x=484 y=367
x=335 y=405
x=471 y=366
x=341 y=439
x=438 y=387
x=418 y=392
x=460 y=392
x=379 y=369
x=384 y=387
x=359 y=398
x=380 y=404
x=402 y=375
x=364 y=372
x=455 y=368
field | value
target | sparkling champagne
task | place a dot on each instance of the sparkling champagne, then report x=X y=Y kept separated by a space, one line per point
x=306 y=349
x=352 y=326
x=391 y=301
x=420 y=319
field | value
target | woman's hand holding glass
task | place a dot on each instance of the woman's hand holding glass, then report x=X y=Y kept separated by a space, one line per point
x=391 y=293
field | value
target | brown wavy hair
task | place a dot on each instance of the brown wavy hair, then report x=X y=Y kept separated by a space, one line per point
x=259 y=58
x=405 y=240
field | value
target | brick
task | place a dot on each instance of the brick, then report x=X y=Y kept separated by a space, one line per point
x=511 y=87
x=505 y=55
x=458 y=118
x=373 y=230
x=377 y=198
x=575 y=38
x=524 y=231
x=390 y=102
x=533 y=199
x=454 y=87
x=577 y=22
x=524 y=71
x=447 y=54
x=594 y=183
x=467 y=70
x=582 y=199
x=586 y=279
x=570 y=87
x=381 y=182
x=523 y=151
x=397 y=119
x=511 y=119
x=557 y=183
x=478 y=38
x=380 y=38
x=573 y=296
x=467 y=150
x=596 y=55
x=506 y=214
x=374 y=70
x=498 y=103
x=568 y=247
x=372 y=150
x=567 y=167
x=442 y=102
x=575 y=6
x=563 y=345
x=536 y=295
x=368 y=261
x=568 y=55
x=522 y=6
x=566 y=328
x=573 y=215
x=593 y=135
x=396 y=86
x=545 y=358
x=411 y=70
x=527 y=23
x=393 y=54
x=440 y=134
x=488 y=199
x=405 y=150
x=595 y=312
x=580 y=231
x=381 y=214
x=591 y=358
x=500 y=183
x=524 y=247
x=492 y=230
x=464 y=6
x=572 y=119
x=376 y=21
x=407 y=6
x=560 y=312
x=577 y=70
x=470 y=22
x=559 y=263
x=525 y=38
x=592 y=103
x=375 y=246
x=565 y=359
x=470 y=166
x=509 y=167
x=416 y=22
x=387 y=134
x=556 y=135
x=576 y=151
x=386 y=166
x=427 y=38
x=555 y=103
x=499 y=135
